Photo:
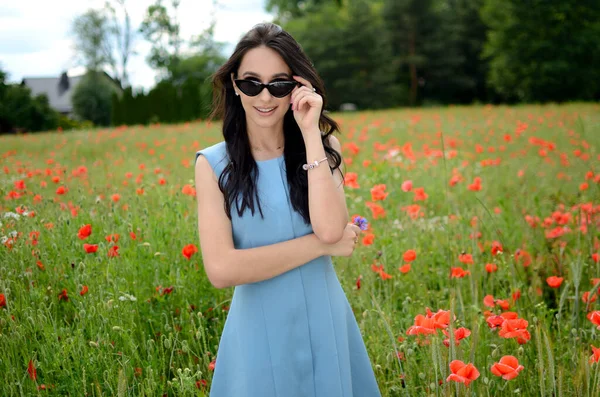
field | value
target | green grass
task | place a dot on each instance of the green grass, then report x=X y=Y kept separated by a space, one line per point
x=129 y=336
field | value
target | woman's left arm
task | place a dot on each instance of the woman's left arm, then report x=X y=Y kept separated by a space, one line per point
x=326 y=198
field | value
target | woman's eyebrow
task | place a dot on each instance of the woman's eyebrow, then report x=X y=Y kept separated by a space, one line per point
x=274 y=76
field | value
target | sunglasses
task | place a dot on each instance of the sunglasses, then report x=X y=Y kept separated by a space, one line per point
x=278 y=89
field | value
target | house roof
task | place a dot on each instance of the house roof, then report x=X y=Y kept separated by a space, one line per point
x=59 y=99
x=58 y=89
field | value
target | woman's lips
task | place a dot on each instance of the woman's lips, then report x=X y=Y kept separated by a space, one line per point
x=266 y=114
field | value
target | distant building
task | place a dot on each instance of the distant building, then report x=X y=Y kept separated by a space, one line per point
x=59 y=90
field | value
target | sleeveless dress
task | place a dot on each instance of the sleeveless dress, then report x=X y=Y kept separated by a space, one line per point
x=293 y=335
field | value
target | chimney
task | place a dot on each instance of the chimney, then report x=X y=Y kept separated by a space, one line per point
x=63 y=83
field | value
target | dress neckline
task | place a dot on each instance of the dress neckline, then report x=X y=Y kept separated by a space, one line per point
x=268 y=160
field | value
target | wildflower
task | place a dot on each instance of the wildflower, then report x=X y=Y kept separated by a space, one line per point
x=463 y=373
x=407 y=186
x=508 y=367
x=458 y=272
x=554 y=282
x=515 y=328
x=361 y=222
x=90 y=248
x=84 y=232
x=595 y=357
x=378 y=192
x=189 y=250
x=459 y=334
x=409 y=256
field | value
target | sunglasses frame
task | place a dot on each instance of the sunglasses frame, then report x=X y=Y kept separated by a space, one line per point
x=268 y=86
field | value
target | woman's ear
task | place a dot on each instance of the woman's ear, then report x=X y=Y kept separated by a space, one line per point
x=233 y=83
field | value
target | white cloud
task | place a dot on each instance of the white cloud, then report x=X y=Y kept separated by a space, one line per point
x=35 y=37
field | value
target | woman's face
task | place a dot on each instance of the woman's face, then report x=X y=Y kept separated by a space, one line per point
x=264 y=65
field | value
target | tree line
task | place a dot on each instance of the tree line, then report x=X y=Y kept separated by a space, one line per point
x=371 y=53
x=387 y=53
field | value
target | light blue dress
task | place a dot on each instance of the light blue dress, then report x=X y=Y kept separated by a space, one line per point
x=293 y=335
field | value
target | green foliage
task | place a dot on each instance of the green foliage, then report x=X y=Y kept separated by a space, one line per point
x=356 y=68
x=163 y=33
x=65 y=123
x=91 y=36
x=544 y=50
x=291 y=9
x=92 y=98
x=167 y=102
x=20 y=112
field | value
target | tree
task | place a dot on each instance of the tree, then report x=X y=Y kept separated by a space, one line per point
x=350 y=53
x=452 y=70
x=286 y=10
x=92 y=98
x=20 y=112
x=101 y=41
x=410 y=25
x=543 y=50
x=91 y=39
x=163 y=32
x=121 y=37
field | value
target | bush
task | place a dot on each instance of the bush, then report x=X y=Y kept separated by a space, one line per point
x=66 y=123
x=92 y=98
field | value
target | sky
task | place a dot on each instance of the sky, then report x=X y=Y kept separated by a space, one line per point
x=35 y=38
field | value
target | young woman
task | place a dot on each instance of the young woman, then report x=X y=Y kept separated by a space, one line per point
x=271 y=213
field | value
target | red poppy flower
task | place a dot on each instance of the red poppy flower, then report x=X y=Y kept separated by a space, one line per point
x=496 y=248
x=476 y=185
x=90 y=248
x=404 y=268
x=515 y=328
x=63 y=295
x=368 y=239
x=187 y=189
x=84 y=290
x=31 y=370
x=419 y=194
x=595 y=357
x=378 y=192
x=508 y=367
x=409 y=256
x=466 y=258
x=594 y=317
x=189 y=250
x=554 y=282
x=491 y=267
x=2 y=300
x=84 y=232
x=458 y=272
x=463 y=373
x=459 y=334
x=351 y=180
x=113 y=251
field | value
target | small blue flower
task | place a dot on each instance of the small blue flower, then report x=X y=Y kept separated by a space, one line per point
x=361 y=222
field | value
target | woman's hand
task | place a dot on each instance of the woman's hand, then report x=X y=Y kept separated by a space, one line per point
x=345 y=247
x=306 y=105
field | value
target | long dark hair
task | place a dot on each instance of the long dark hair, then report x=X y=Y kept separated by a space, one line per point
x=238 y=179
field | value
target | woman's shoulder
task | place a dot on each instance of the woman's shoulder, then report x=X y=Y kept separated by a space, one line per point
x=216 y=155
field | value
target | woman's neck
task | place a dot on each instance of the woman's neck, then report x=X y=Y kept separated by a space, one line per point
x=265 y=140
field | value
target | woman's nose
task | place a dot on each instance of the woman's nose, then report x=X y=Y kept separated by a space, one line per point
x=265 y=93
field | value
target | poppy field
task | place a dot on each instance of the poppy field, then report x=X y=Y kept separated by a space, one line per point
x=477 y=274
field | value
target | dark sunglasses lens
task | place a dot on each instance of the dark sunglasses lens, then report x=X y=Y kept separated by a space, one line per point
x=281 y=88
x=248 y=87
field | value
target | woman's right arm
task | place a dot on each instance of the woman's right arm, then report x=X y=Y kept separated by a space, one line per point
x=227 y=266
